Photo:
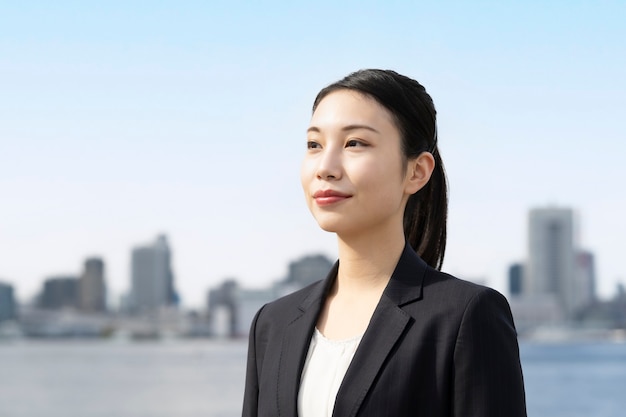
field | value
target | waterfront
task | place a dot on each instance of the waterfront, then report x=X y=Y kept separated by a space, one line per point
x=194 y=378
x=584 y=379
x=104 y=379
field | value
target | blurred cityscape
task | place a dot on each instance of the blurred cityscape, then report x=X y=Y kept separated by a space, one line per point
x=552 y=295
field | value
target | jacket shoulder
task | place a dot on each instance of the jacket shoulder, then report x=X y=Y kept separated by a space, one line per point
x=455 y=289
x=447 y=296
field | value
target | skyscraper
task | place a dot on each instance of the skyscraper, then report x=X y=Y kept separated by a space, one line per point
x=585 y=278
x=92 y=288
x=8 y=310
x=555 y=267
x=59 y=292
x=152 y=277
x=516 y=279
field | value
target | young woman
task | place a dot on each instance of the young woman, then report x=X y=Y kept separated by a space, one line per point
x=386 y=333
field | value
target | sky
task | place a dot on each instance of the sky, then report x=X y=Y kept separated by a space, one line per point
x=123 y=120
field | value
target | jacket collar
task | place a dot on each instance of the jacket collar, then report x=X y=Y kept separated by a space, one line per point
x=386 y=326
x=407 y=279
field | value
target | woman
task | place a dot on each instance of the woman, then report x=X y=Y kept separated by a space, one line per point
x=386 y=333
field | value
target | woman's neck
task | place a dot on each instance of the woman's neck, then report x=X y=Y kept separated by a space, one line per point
x=366 y=264
x=365 y=267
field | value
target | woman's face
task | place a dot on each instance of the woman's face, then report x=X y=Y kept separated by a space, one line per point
x=353 y=175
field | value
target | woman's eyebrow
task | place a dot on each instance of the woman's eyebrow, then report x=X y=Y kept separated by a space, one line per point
x=357 y=127
x=345 y=128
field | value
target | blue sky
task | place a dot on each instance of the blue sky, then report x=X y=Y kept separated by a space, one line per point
x=122 y=120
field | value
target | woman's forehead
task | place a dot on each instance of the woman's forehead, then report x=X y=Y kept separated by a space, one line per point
x=348 y=108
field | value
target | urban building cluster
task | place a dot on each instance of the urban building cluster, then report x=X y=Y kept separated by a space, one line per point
x=232 y=308
x=553 y=289
x=86 y=293
x=76 y=305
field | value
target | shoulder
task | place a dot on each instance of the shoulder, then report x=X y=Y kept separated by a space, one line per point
x=454 y=290
x=429 y=294
x=413 y=279
x=463 y=302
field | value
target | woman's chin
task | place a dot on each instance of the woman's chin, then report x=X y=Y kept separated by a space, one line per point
x=339 y=228
x=327 y=227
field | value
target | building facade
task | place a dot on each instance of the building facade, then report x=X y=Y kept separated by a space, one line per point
x=556 y=266
x=8 y=306
x=585 y=278
x=152 y=277
x=59 y=292
x=223 y=308
x=516 y=279
x=92 y=288
x=303 y=272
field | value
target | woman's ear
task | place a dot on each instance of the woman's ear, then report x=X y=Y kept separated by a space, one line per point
x=418 y=172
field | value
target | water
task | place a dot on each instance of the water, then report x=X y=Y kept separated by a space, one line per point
x=575 y=380
x=205 y=379
x=93 y=379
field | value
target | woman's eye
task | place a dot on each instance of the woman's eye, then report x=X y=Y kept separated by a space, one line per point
x=312 y=145
x=355 y=142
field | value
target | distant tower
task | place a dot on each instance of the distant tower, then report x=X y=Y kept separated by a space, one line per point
x=516 y=279
x=92 y=289
x=223 y=306
x=585 y=281
x=307 y=270
x=59 y=292
x=552 y=259
x=8 y=310
x=152 y=277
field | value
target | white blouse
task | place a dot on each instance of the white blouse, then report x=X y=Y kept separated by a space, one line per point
x=326 y=364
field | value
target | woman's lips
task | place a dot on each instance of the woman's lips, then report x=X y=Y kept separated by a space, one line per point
x=328 y=197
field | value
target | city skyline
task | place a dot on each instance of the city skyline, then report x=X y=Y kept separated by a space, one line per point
x=151 y=268
x=122 y=121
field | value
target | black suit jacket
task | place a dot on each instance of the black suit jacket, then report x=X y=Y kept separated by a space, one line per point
x=435 y=346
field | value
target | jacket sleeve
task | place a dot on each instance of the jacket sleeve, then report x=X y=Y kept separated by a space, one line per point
x=251 y=392
x=488 y=378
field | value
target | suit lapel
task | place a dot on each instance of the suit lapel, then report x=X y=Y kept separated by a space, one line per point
x=383 y=332
x=295 y=346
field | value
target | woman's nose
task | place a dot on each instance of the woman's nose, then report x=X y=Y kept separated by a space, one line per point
x=329 y=167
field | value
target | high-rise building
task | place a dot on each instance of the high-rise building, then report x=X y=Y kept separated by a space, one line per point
x=550 y=250
x=59 y=292
x=516 y=279
x=8 y=309
x=92 y=288
x=585 y=278
x=152 y=277
x=303 y=272
x=555 y=266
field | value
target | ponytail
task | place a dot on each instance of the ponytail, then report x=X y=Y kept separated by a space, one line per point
x=425 y=217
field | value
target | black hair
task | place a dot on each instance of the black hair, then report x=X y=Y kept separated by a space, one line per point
x=414 y=112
